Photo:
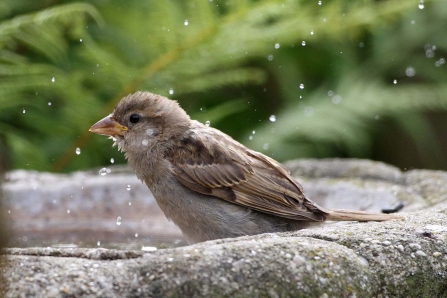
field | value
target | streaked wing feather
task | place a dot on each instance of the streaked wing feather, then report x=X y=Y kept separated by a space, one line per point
x=241 y=176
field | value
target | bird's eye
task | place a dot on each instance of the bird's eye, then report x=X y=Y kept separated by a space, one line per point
x=134 y=118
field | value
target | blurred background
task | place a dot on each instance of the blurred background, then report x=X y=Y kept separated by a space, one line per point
x=292 y=79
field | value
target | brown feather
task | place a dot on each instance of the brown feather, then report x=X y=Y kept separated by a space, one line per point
x=239 y=175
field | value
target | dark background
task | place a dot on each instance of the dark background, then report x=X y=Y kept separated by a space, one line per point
x=357 y=79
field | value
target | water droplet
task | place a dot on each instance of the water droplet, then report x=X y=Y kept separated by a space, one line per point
x=68 y=211
x=272 y=118
x=270 y=57
x=312 y=32
x=412 y=22
x=98 y=243
x=429 y=51
x=130 y=203
x=266 y=146
x=277 y=45
x=320 y=2
x=301 y=86
x=207 y=123
x=49 y=103
x=303 y=43
x=78 y=151
x=149 y=131
x=336 y=99
x=53 y=79
x=112 y=160
x=250 y=138
x=410 y=72
x=119 y=221
x=128 y=187
x=253 y=132
x=104 y=171
x=145 y=142
x=440 y=62
x=361 y=45
x=421 y=4
x=395 y=82
x=330 y=93
x=24 y=111
x=9 y=211
x=186 y=22
x=203 y=109
x=377 y=117
x=171 y=91
x=136 y=235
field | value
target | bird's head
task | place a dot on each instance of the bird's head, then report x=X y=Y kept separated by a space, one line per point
x=143 y=120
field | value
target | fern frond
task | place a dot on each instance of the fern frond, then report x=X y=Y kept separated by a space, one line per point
x=349 y=122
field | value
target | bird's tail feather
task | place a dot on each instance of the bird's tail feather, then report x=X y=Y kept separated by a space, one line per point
x=355 y=215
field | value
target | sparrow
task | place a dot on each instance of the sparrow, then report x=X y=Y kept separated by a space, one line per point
x=208 y=184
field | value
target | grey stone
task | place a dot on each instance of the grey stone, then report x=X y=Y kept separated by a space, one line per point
x=70 y=208
x=375 y=259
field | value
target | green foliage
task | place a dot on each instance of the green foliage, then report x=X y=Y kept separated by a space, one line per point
x=63 y=67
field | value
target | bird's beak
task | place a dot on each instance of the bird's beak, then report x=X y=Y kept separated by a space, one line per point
x=108 y=126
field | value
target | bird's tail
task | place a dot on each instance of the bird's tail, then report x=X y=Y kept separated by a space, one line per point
x=355 y=215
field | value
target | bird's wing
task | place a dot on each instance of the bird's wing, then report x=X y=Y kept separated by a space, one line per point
x=228 y=170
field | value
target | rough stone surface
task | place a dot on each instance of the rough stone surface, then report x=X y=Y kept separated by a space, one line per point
x=376 y=259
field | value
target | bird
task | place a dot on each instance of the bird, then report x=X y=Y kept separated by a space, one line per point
x=210 y=185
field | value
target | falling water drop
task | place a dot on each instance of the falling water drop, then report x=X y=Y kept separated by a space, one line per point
x=277 y=45
x=303 y=43
x=119 y=220
x=410 y=72
x=272 y=118
x=53 y=79
x=128 y=187
x=336 y=99
x=112 y=160
x=78 y=151
x=186 y=22
x=207 y=123
x=301 y=86
x=103 y=171
x=421 y=4
x=171 y=91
